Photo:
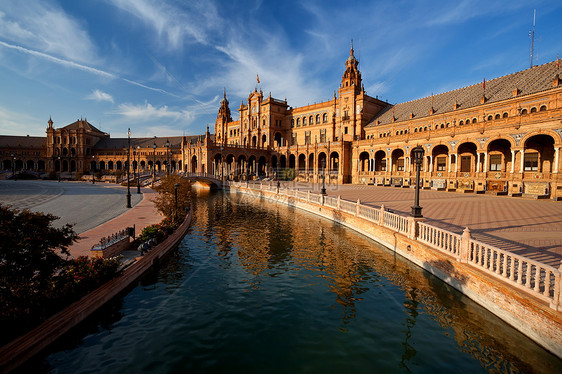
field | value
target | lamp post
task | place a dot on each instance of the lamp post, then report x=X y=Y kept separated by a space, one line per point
x=418 y=157
x=128 y=168
x=13 y=166
x=176 y=193
x=93 y=169
x=153 y=163
x=167 y=157
x=60 y=167
x=137 y=169
x=323 y=190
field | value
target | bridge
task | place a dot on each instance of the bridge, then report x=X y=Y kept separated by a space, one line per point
x=205 y=179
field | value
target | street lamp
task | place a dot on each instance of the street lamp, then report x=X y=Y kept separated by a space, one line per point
x=153 y=163
x=93 y=169
x=137 y=169
x=167 y=157
x=323 y=190
x=176 y=193
x=418 y=157
x=128 y=168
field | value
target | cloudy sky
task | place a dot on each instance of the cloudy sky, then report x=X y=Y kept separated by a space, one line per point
x=160 y=66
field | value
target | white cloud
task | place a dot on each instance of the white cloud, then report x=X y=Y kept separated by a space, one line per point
x=148 y=112
x=12 y=123
x=46 y=27
x=98 y=95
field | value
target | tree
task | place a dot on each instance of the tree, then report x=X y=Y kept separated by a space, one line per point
x=165 y=200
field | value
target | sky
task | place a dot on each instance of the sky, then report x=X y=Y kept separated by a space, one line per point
x=159 y=67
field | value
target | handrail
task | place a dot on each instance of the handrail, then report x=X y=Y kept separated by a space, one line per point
x=532 y=277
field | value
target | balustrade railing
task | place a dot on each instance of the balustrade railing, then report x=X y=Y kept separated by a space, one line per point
x=539 y=280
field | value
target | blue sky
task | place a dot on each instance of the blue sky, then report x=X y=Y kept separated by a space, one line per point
x=160 y=67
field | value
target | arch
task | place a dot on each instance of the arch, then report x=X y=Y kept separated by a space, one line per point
x=317 y=119
x=278 y=139
x=467 y=157
x=302 y=162
x=102 y=165
x=311 y=163
x=499 y=154
x=64 y=165
x=497 y=116
x=542 y=108
x=304 y=121
x=523 y=111
x=364 y=161
x=283 y=161
x=380 y=160
x=311 y=120
x=72 y=152
x=440 y=157
x=325 y=117
x=322 y=163
x=292 y=161
x=274 y=163
x=30 y=165
x=264 y=140
x=119 y=165
x=505 y=115
x=110 y=165
x=254 y=141
x=397 y=159
x=242 y=167
x=252 y=165
x=539 y=153
x=534 y=109
x=262 y=167
x=217 y=165
x=41 y=165
x=334 y=162
x=230 y=161
x=7 y=165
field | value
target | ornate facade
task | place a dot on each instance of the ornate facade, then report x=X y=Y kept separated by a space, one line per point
x=502 y=136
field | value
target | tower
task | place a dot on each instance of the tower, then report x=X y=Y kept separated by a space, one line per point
x=223 y=118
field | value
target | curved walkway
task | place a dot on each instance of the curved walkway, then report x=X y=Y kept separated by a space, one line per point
x=95 y=210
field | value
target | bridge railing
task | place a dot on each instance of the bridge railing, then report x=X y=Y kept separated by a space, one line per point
x=532 y=277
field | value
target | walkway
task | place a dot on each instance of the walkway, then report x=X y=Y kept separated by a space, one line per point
x=95 y=210
x=532 y=228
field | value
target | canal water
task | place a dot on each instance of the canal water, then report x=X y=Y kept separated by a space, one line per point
x=257 y=287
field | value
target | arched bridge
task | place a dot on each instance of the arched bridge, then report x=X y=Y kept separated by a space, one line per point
x=205 y=179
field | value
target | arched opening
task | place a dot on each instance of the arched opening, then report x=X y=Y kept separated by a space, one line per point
x=334 y=162
x=64 y=165
x=539 y=154
x=322 y=162
x=302 y=162
x=7 y=165
x=380 y=161
x=283 y=161
x=254 y=141
x=142 y=165
x=102 y=165
x=193 y=164
x=252 y=165
x=229 y=165
x=364 y=162
x=264 y=140
x=119 y=165
x=92 y=166
x=397 y=159
x=499 y=155
x=467 y=155
x=311 y=163
x=72 y=165
x=262 y=167
x=217 y=165
x=30 y=165
x=440 y=155
x=41 y=165
x=158 y=166
x=292 y=161
x=242 y=165
x=278 y=139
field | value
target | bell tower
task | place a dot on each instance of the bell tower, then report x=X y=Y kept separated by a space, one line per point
x=351 y=77
x=223 y=118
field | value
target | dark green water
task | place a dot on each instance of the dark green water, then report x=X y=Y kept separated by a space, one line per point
x=261 y=288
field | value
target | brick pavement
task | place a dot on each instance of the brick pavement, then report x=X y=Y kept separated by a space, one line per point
x=532 y=228
x=141 y=215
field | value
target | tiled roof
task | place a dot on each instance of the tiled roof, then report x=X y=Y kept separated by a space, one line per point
x=120 y=143
x=7 y=141
x=82 y=124
x=533 y=80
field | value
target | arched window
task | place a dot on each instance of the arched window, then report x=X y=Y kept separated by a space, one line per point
x=542 y=108
x=497 y=116
x=292 y=122
x=474 y=120
x=416 y=129
x=490 y=117
x=533 y=110
x=442 y=125
x=317 y=118
x=304 y=121
x=461 y=122
x=325 y=118
x=524 y=111
x=505 y=115
x=298 y=122
x=311 y=120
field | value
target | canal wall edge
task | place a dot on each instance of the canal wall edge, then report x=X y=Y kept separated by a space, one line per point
x=531 y=317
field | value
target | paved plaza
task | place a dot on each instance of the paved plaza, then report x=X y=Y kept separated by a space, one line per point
x=528 y=227
x=95 y=210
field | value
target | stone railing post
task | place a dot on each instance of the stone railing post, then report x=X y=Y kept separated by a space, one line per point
x=338 y=205
x=556 y=303
x=357 y=206
x=465 y=246
x=308 y=195
x=381 y=216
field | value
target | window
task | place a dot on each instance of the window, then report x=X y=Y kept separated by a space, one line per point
x=490 y=117
x=323 y=136
x=524 y=111
x=531 y=162
x=298 y=122
x=495 y=162
x=400 y=164
x=441 y=163
x=311 y=120
x=497 y=116
x=461 y=123
x=474 y=120
x=325 y=118
x=293 y=139
x=542 y=108
x=304 y=121
x=345 y=130
x=383 y=164
x=533 y=110
x=292 y=122
x=307 y=137
x=505 y=115
x=317 y=118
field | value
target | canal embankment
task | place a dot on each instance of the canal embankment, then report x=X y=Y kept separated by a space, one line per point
x=521 y=291
x=23 y=348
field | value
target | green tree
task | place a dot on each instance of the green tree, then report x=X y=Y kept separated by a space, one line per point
x=165 y=200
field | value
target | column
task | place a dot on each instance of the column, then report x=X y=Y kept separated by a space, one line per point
x=450 y=157
x=389 y=164
x=522 y=160
x=456 y=163
x=512 y=161
x=556 y=160
x=478 y=162
x=485 y=168
x=430 y=163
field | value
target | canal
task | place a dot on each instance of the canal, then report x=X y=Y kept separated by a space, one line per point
x=257 y=287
